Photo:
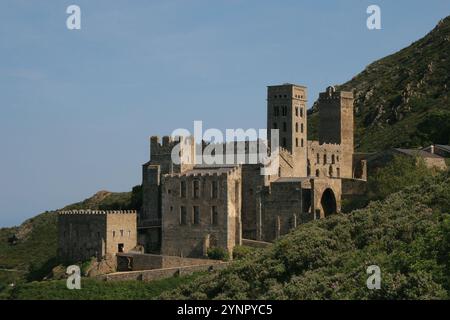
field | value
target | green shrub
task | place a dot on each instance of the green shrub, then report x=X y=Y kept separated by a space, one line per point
x=241 y=252
x=407 y=235
x=218 y=253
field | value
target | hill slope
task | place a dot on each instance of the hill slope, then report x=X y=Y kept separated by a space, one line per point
x=29 y=251
x=407 y=235
x=402 y=99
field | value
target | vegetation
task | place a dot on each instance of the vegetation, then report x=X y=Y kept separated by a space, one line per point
x=28 y=252
x=242 y=252
x=397 y=174
x=402 y=99
x=105 y=200
x=407 y=235
x=95 y=289
x=218 y=253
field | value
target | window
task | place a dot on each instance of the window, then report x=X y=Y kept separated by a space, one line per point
x=214 y=189
x=324 y=159
x=276 y=111
x=183 y=189
x=301 y=128
x=114 y=234
x=296 y=127
x=196 y=189
x=302 y=143
x=214 y=216
x=317 y=173
x=296 y=142
x=196 y=212
x=338 y=172
x=284 y=111
x=296 y=111
x=121 y=233
x=284 y=143
x=129 y=233
x=301 y=112
x=318 y=159
x=332 y=158
x=337 y=158
x=284 y=127
x=275 y=125
x=183 y=220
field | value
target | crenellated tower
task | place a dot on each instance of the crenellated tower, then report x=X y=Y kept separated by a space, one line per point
x=336 y=125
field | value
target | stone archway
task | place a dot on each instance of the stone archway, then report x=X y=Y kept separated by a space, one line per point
x=328 y=202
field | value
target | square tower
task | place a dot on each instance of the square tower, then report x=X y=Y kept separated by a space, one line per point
x=336 y=125
x=286 y=111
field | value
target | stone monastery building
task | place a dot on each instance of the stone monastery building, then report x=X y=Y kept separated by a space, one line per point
x=188 y=209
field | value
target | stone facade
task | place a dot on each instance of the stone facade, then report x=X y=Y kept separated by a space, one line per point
x=189 y=208
x=201 y=209
x=83 y=234
x=307 y=186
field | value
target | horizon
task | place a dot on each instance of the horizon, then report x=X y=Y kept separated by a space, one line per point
x=79 y=106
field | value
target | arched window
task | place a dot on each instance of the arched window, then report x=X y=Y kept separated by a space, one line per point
x=324 y=159
x=296 y=127
x=330 y=171
x=317 y=173
x=332 y=158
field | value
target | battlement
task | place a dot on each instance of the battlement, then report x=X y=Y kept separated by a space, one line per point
x=164 y=147
x=331 y=94
x=95 y=212
x=314 y=144
x=206 y=172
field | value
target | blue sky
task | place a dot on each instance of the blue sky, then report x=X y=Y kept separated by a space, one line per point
x=77 y=107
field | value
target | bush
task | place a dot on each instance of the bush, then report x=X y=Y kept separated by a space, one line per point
x=241 y=252
x=407 y=235
x=218 y=253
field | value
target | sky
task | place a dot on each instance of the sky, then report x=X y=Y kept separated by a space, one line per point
x=77 y=107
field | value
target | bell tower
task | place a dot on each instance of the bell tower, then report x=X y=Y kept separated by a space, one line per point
x=286 y=111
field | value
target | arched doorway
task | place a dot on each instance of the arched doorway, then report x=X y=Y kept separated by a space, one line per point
x=328 y=202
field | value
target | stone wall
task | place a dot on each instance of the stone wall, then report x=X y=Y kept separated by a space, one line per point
x=326 y=196
x=216 y=223
x=283 y=206
x=324 y=160
x=157 y=274
x=137 y=262
x=336 y=125
x=83 y=234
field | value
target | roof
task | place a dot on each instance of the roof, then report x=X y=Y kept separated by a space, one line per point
x=291 y=179
x=417 y=152
x=211 y=169
x=444 y=147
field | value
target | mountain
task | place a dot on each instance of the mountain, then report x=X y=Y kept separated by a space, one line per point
x=407 y=236
x=402 y=99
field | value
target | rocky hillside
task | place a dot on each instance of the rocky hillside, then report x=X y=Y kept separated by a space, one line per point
x=402 y=99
